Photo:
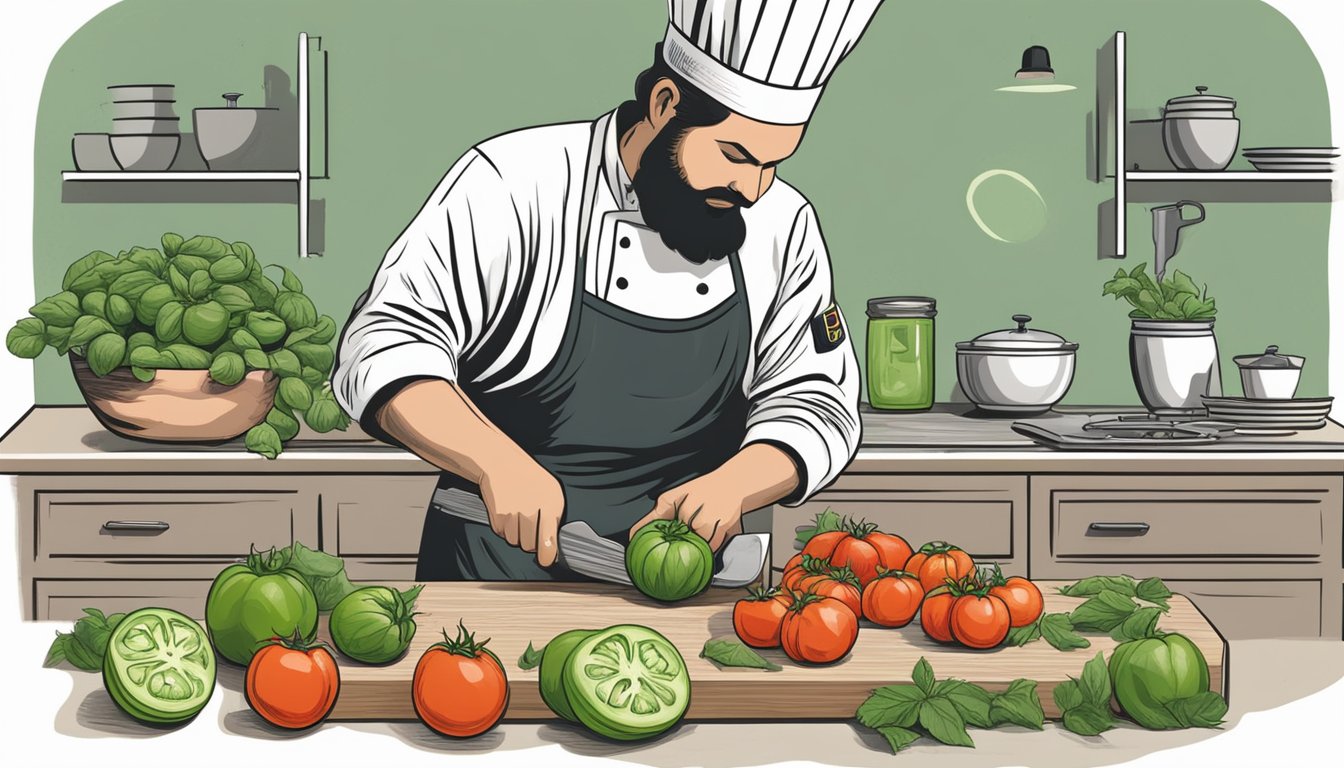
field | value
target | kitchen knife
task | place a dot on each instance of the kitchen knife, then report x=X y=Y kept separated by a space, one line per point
x=738 y=563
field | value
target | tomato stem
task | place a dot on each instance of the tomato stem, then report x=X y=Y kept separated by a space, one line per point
x=464 y=644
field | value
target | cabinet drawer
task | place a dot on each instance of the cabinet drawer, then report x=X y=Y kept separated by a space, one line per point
x=377 y=517
x=980 y=514
x=1189 y=519
x=60 y=600
x=1242 y=610
x=177 y=524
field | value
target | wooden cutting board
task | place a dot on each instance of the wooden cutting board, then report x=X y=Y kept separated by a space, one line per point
x=512 y=614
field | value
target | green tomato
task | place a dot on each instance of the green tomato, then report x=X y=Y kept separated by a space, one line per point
x=158 y=666
x=252 y=602
x=205 y=324
x=551 y=676
x=374 y=624
x=627 y=682
x=1150 y=673
x=668 y=561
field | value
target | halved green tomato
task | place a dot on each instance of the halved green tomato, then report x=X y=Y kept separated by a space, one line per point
x=550 y=678
x=159 y=667
x=627 y=682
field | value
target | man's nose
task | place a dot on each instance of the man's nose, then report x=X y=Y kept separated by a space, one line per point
x=750 y=184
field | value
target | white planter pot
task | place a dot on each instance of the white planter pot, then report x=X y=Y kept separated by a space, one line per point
x=1175 y=363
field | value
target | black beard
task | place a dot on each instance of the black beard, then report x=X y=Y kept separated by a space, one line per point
x=679 y=212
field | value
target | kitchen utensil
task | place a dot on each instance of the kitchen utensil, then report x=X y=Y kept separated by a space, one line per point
x=1079 y=433
x=1174 y=364
x=1270 y=376
x=93 y=152
x=582 y=550
x=1018 y=370
x=142 y=110
x=1168 y=221
x=900 y=352
x=1200 y=132
x=154 y=92
x=234 y=138
x=145 y=152
x=177 y=405
x=160 y=126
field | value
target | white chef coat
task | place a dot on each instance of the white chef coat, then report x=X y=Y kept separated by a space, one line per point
x=489 y=262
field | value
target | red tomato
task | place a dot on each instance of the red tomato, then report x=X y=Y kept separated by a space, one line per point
x=857 y=555
x=935 y=615
x=979 y=622
x=818 y=630
x=1023 y=599
x=459 y=688
x=839 y=583
x=937 y=561
x=823 y=544
x=757 y=619
x=292 y=684
x=892 y=550
x=861 y=548
x=892 y=599
x=807 y=566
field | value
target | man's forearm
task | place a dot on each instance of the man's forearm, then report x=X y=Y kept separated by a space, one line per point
x=762 y=473
x=436 y=420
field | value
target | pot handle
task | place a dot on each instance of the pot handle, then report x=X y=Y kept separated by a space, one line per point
x=1187 y=222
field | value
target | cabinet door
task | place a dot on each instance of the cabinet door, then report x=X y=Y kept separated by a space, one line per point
x=983 y=514
x=1242 y=610
x=58 y=600
x=374 y=522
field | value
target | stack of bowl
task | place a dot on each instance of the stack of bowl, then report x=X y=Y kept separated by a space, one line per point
x=145 y=134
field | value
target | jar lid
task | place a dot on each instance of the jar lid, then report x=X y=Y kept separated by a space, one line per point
x=1201 y=100
x=1019 y=339
x=1271 y=359
x=902 y=306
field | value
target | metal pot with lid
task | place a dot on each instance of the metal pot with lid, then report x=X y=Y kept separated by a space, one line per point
x=1270 y=376
x=1016 y=370
x=1200 y=131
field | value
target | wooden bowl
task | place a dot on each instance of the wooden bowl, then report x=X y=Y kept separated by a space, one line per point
x=178 y=406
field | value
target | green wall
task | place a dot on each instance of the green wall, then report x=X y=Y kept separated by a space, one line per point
x=911 y=118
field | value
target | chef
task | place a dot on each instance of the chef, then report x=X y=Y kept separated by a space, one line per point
x=622 y=320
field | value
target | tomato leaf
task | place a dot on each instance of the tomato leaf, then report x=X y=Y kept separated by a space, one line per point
x=891 y=706
x=1068 y=695
x=1089 y=720
x=1057 y=629
x=531 y=658
x=1095 y=684
x=1103 y=612
x=1203 y=710
x=56 y=653
x=1140 y=624
x=923 y=676
x=1093 y=585
x=731 y=652
x=1019 y=705
x=1155 y=591
x=940 y=718
x=824 y=521
x=899 y=738
x=1018 y=636
x=972 y=701
x=323 y=573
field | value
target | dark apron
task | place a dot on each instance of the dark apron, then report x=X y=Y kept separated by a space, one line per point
x=630 y=407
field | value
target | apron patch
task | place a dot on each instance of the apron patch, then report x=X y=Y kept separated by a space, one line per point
x=827 y=331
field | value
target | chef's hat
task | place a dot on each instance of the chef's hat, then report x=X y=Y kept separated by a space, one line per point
x=765 y=59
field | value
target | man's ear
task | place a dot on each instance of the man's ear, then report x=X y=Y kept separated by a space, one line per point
x=663 y=101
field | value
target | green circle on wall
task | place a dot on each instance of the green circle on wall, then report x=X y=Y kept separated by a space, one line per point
x=1006 y=206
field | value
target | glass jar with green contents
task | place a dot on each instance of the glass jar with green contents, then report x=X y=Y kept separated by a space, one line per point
x=900 y=352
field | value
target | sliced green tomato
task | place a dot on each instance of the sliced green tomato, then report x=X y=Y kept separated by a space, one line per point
x=627 y=682
x=550 y=678
x=159 y=667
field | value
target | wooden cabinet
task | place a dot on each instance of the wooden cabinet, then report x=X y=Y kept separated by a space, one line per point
x=374 y=524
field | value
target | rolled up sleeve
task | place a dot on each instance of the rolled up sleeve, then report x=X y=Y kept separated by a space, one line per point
x=803 y=393
x=433 y=293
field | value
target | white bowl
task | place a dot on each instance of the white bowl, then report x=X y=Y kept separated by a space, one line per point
x=93 y=152
x=142 y=110
x=140 y=152
x=1272 y=383
x=157 y=127
x=1021 y=383
x=1200 y=144
x=141 y=92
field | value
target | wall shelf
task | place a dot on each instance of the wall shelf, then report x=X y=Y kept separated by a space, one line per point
x=1231 y=176
x=196 y=186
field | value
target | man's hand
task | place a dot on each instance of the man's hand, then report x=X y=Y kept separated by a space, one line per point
x=709 y=504
x=526 y=504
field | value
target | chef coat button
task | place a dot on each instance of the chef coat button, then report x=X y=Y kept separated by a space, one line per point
x=625 y=242
x=621 y=283
x=702 y=289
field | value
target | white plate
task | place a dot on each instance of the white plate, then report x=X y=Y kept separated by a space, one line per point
x=1290 y=152
x=1293 y=167
x=1267 y=404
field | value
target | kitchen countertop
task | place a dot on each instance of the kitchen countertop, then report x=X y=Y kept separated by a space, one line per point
x=1285 y=696
x=68 y=439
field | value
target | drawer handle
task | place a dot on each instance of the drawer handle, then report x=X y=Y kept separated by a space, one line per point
x=135 y=525
x=1118 y=529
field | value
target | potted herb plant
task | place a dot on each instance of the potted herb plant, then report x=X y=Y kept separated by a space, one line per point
x=192 y=343
x=1173 y=354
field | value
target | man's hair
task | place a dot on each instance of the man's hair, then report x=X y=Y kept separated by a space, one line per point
x=695 y=109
